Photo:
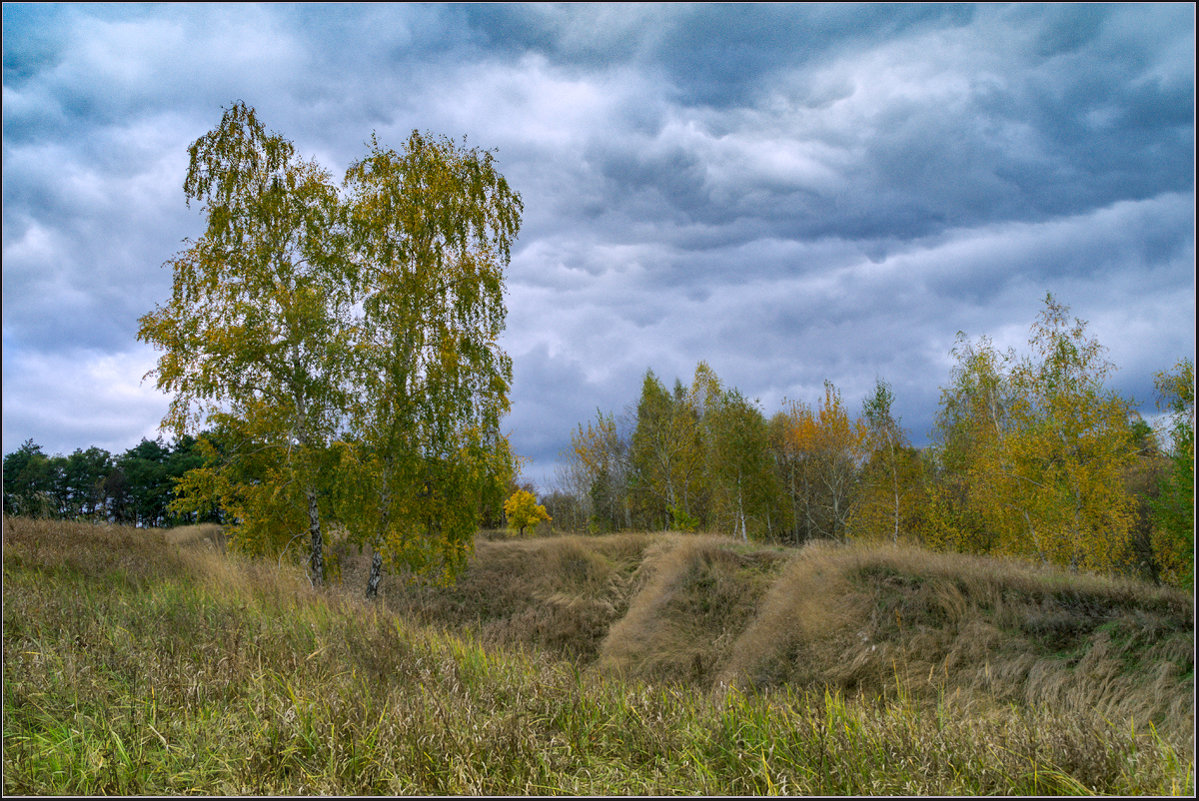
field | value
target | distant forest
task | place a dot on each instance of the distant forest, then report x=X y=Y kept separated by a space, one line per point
x=134 y=488
x=1032 y=456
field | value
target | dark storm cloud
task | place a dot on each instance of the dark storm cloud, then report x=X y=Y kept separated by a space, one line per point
x=926 y=135
x=792 y=192
x=711 y=54
x=722 y=56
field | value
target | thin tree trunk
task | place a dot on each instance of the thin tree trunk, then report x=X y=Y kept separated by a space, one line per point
x=796 y=521
x=894 y=486
x=372 y=584
x=741 y=512
x=317 y=558
x=376 y=576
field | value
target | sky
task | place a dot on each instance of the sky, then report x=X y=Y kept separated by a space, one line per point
x=791 y=193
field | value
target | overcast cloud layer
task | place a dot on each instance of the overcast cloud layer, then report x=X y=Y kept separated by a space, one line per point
x=792 y=193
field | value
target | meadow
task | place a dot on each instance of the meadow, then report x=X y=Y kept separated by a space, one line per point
x=153 y=662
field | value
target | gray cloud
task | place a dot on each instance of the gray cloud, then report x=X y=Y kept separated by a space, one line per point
x=791 y=192
x=78 y=398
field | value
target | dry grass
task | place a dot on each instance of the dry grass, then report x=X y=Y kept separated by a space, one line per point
x=560 y=594
x=205 y=535
x=880 y=618
x=153 y=663
x=804 y=619
x=694 y=595
x=713 y=613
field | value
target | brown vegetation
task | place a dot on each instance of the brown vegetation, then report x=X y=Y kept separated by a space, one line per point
x=148 y=662
x=715 y=612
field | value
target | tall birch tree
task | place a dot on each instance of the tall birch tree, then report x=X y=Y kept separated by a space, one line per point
x=432 y=226
x=891 y=485
x=343 y=342
x=255 y=335
x=746 y=489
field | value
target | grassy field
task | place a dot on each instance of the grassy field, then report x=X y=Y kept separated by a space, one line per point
x=152 y=663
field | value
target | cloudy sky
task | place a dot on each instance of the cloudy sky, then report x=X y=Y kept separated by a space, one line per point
x=792 y=193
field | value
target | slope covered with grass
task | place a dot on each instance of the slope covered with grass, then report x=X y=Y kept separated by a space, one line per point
x=712 y=612
x=147 y=662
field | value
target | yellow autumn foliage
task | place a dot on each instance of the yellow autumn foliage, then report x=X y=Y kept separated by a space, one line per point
x=1032 y=450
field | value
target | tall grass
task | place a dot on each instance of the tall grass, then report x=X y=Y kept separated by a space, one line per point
x=853 y=618
x=137 y=665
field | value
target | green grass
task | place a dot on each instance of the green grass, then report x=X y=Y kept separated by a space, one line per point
x=137 y=665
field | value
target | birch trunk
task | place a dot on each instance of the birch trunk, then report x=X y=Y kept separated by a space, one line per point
x=376 y=576
x=372 y=584
x=317 y=557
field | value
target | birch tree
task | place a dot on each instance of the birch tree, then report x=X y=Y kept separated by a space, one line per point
x=1070 y=444
x=599 y=464
x=1174 y=508
x=1033 y=451
x=968 y=439
x=431 y=226
x=890 y=488
x=255 y=335
x=666 y=454
x=746 y=488
x=342 y=342
x=820 y=453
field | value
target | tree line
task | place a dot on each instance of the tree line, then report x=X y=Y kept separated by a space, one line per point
x=1031 y=455
x=140 y=486
x=131 y=488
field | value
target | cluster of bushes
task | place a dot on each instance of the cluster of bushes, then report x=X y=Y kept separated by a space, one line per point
x=1031 y=456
